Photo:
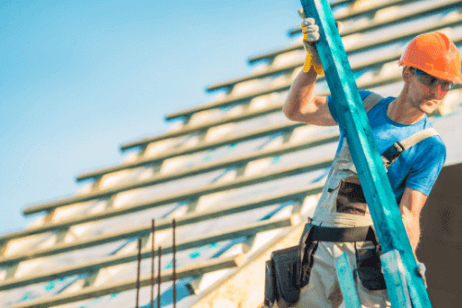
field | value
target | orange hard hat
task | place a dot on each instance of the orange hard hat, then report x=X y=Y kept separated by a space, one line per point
x=435 y=54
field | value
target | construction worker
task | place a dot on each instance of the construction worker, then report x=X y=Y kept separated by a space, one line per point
x=431 y=65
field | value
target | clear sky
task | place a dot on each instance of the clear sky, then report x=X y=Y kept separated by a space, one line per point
x=79 y=78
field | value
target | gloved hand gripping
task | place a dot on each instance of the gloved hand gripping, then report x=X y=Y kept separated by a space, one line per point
x=310 y=37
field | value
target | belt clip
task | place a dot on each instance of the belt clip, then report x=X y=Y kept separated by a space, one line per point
x=399 y=147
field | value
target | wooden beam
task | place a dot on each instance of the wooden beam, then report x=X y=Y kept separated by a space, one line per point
x=245 y=287
x=188 y=193
x=339 y=2
x=195 y=242
x=233 y=208
x=246 y=115
x=404 y=15
x=376 y=62
x=209 y=145
x=259 y=132
x=112 y=260
x=395 y=279
x=164 y=224
x=353 y=119
x=346 y=281
x=354 y=12
x=185 y=271
x=370 y=43
x=383 y=40
x=260 y=74
x=224 y=163
x=281 y=87
x=271 y=71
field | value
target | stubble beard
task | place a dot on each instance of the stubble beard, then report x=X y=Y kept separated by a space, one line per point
x=425 y=108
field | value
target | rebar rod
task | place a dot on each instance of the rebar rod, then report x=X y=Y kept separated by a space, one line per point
x=138 y=274
x=159 y=255
x=153 y=230
x=174 y=264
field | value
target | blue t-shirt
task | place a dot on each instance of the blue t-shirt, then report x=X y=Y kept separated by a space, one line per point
x=417 y=167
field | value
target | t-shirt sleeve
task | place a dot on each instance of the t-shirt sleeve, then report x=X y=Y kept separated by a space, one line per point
x=427 y=166
x=330 y=103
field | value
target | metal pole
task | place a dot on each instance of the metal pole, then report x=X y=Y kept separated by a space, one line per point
x=153 y=229
x=138 y=274
x=174 y=265
x=159 y=255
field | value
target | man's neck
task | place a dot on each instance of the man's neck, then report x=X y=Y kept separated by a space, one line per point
x=401 y=110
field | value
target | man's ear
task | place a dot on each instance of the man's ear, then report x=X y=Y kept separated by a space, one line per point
x=407 y=74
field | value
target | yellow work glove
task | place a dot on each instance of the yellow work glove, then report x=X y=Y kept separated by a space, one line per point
x=310 y=37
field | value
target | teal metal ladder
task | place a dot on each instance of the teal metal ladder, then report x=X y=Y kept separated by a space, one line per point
x=400 y=266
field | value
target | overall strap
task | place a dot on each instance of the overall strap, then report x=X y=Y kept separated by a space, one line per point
x=371 y=100
x=399 y=147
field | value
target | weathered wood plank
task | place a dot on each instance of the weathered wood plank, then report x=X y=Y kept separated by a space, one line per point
x=346 y=281
x=353 y=119
x=245 y=287
x=207 y=189
x=402 y=15
x=202 y=168
x=193 y=242
x=233 y=208
x=210 y=265
x=395 y=279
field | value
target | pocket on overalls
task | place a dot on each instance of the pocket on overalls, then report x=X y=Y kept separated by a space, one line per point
x=370 y=269
x=350 y=199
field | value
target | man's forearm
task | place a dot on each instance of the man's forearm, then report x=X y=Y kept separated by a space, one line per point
x=301 y=91
x=410 y=207
x=412 y=225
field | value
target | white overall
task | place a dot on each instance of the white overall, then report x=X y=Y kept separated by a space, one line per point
x=323 y=289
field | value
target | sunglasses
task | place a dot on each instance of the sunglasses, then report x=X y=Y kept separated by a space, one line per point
x=430 y=80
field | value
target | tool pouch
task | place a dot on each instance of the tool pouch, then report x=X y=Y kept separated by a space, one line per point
x=282 y=278
x=285 y=275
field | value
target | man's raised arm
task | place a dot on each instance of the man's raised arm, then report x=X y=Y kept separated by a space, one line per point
x=301 y=104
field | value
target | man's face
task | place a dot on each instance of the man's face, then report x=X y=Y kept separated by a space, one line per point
x=426 y=91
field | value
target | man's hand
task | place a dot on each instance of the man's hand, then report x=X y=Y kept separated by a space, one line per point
x=421 y=269
x=310 y=37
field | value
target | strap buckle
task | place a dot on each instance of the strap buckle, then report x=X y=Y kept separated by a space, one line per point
x=393 y=152
x=399 y=147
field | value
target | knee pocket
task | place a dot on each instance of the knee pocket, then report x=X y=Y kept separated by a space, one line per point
x=370 y=269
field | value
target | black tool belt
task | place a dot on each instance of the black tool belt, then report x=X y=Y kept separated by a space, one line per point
x=289 y=269
x=331 y=234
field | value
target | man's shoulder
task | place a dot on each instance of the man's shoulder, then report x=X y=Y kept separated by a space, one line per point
x=371 y=99
x=434 y=143
x=431 y=149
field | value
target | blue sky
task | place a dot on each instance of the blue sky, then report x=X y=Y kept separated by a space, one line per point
x=79 y=78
